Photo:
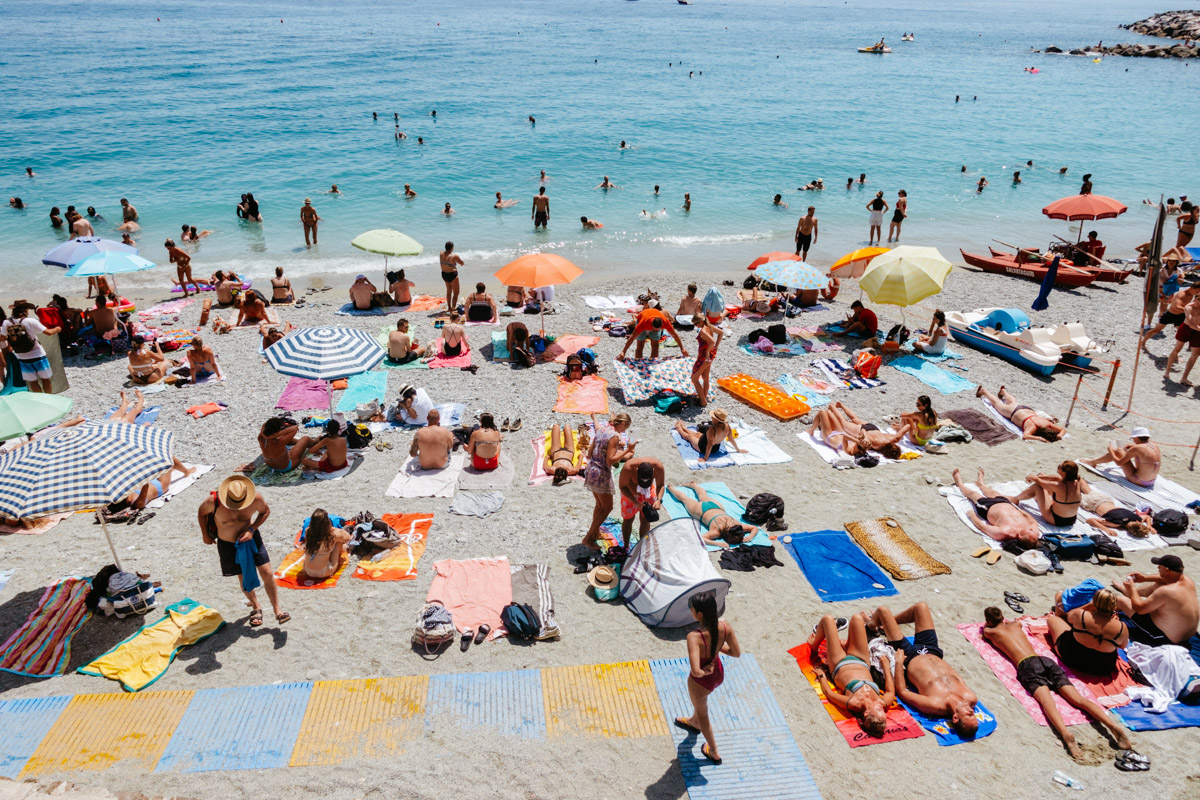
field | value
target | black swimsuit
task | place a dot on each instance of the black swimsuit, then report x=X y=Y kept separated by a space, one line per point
x=1082 y=658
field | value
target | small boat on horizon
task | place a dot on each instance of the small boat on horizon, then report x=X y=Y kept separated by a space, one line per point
x=1008 y=333
x=1007 y=265
x=684 y=2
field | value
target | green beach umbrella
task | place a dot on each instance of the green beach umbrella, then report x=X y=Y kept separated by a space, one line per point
x=387 y=242
x=26 y=412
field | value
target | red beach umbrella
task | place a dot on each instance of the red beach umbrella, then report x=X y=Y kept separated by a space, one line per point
x=778 y=255
x=1085 y=207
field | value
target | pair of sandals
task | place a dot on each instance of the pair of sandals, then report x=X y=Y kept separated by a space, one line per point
x=1132 y=761
x=509 y=427
x=470 y=636
x=682 y=722
x=381 y=446
x=993 y=556
x=1014 y=600
x=256 y=618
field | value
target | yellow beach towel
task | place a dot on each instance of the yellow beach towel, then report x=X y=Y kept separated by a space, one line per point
x=144 y=657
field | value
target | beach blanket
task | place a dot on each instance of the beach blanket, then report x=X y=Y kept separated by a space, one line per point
x=567 y=344
x=169 y=307
x=1007 y=673
x=302 y=394
x=144 y=657
x=531 y=586
x=476 y=504
x=588 y=395
x=473 y=480
x=41 y=647
x=348 y=310
x=983 y=427
x=262 y=475
x=800 y=390
x=1165 y=493
x=839 y=373
x=723 y=496
x=1139 y=718
x=900 y=724
x=399 y=563
x=835 y=567
x=500 y=346
x=642 y=378
x=451 y=417
x=1108 y=689
x=829 y=455
x=541 y=449
x=759 y=450
x=290 y=572
x=364 y=388
x=612 y=302
x=473 y=591
x=146 y=416
x=789 y=349
x=893 y=550
x=387 y=363
x=930 y=375
x=412 y=481
x=39 y=525
x=179 y=482
x=442 y=362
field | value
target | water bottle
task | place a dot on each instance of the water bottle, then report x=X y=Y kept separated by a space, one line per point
x=1066 y=780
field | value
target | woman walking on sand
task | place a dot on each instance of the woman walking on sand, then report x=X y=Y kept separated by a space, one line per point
x=605 y=453
x=707 y=341
x=876 y=207
x=705 y=646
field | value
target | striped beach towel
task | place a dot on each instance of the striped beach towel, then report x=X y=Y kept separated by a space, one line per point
x=41 y=647
x=840 y=373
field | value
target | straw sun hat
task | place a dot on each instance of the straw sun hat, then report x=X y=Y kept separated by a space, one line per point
x=236 y=492
x=603 y=577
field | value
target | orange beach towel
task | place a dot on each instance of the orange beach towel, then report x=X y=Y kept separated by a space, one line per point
x=399 y=563
x=425 y=302
x=585 y=396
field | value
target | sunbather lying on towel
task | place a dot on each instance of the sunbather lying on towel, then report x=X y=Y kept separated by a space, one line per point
x=126 y=412
x=1040 y=676
x=842 y=429
x=996 y=515
x=936 y=689
x=1034 y=426
x=849 y=666
x=708 y=436
x=721 y=529
x=561 y=460
x=1111 y=516
x=152 y=490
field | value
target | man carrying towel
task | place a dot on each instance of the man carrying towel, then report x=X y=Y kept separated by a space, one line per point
x=641 y=489
x=233 y=514
x=932 y=686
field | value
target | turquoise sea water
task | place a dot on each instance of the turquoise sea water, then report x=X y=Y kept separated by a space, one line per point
x=183 y=115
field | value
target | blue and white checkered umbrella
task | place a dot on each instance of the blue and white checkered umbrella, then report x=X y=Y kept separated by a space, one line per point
x=793 y=275
x=325 y=353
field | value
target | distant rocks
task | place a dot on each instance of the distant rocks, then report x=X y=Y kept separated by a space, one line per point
x=1153 y=51
x=1169 y=25
x=1183 y=25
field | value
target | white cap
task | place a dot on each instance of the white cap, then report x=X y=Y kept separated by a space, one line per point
x=1139 y=433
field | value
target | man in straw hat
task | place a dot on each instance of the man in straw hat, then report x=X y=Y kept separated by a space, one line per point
x=1139 y=460
x=233 y=515
x=309 y=219
x=708 y=436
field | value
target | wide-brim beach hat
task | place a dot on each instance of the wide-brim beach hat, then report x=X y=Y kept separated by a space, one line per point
x=603 y=577
x=236 y=492
x=719 y=415
x=1139 y=433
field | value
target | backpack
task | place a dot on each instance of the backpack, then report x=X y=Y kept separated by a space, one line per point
x=358 y=436
x=866 y=364
x=762 y=508
x=588 y=356
x=1170 y=522
x=434 y=627
x=521 y=621
x=574 y=370
x=777 y=334
x=1070 y=548
x=19 y=338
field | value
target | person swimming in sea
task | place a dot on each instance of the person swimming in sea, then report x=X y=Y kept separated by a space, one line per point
x=409 y=194
x=502 y=203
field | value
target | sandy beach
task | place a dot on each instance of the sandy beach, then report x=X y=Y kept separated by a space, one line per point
x=361 y=629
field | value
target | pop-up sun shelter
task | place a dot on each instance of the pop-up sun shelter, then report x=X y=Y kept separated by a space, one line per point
x=667 y=567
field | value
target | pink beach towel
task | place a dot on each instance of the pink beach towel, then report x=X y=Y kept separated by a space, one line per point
x=461 y=360
x=473 y=591
x=588 y=395
x=40 y=525
x=1006 y=671
x=538 y=475
x=1109 y=689
x=169 y=307
x=302 y=394
x=568 y=344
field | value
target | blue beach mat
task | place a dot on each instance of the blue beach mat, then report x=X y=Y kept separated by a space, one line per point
x=723 y=496
x=928 y=374
x=349 y=310
x=940 y=726
x=363 y=388
x=1137 y=718
x=836 y=567
x=794 y=387
x=147 y=417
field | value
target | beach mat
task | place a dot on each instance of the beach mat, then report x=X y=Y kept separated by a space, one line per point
x=931 y=375
x=144 y=657
x=500 y=478
x=531 y=587
x=363 y=388
x=500 y=346
x=541 y=448
x=147 y=416
x=723 y=496
x=40 y=525
x=947 y=736
x=178 y=485
x=566 y=344
x=302 y=394
x=399 y=563
x=588 y=395
x=642 y=378
x=262 y=475
x=474 y=591
x=476 y=504
x=759 y=450
x=900 y=724
x=984 y=427
x=1138 y=718
x=1165 y=493
x=41 y=647
x=835 y=567
x=442 y=362
x=894 y=550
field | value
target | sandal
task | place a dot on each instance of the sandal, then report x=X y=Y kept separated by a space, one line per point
x=681 y=722
x=1017 y=596
x=256 y=618
x=994 y=557
x=504 y=425
x=705 y=753
x=467 y=636
x=141 y=520
x=482 y=633
x=981 y=552
x=1014 y=605
x=516 y=426
x=282 y=618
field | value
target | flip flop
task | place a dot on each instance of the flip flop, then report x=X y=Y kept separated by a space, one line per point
x=1014 y=605
x=141 y=520
x=256 y=618
x=282 y=618
x=1134 y=756
x=681 y=722
x=981 y=552
x=1016 y=596
x=704 y=752
x=482 y=633
x=994 y=557
x=1132 y=761
x=467 y=636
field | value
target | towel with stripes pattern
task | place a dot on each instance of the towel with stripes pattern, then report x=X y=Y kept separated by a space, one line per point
x=842 y=374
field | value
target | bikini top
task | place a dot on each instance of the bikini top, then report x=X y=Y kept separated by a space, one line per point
x=1095 y=636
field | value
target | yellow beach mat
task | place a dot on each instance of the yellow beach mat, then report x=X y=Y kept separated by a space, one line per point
x=886 y=542
x=144 y=657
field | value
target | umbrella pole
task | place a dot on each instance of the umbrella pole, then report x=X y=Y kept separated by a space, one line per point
x=329 y=392
x=108 y=536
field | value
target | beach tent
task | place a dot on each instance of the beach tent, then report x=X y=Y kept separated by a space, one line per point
x=667 y=567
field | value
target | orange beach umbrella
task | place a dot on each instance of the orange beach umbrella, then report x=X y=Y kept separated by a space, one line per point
x=536 y=270
x=778 y=255
x=1085 y=207
x=854 y=263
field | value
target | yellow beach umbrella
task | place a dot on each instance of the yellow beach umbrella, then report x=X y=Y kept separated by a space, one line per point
x=905 y=276
x=387 y=242
x=854 y=264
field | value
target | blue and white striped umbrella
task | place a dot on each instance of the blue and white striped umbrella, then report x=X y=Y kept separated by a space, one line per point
x=70 y=253
x=84 y=466
x=792 y=274
x=325 y=353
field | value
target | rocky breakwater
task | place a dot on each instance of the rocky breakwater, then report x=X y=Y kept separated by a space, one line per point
x=1169 y=25
x=1180 y=25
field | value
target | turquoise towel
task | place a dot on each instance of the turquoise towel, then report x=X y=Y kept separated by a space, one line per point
x=363 y=388
x=720 y=494
x=794 y=387
x=246 y=551
x=928 y=374
x=499 y=345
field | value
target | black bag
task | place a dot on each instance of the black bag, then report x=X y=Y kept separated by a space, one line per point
x=1170 y=522
x=756 y=334
x=521 y=621
x=1106 y=546
x=523 y=357
x=762 y=508
x=750 y=282
x=358 y=436
x=777 y=334
x=18 y=337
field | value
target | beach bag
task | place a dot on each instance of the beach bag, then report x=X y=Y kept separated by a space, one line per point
x=574 y=370
x=668 y=404
x=537 y=343
x=521 y=621
x=127 y=594
x=1106 y=546
x=533 y=307
x=364 y=411
x=358 y=436
x=762 y=508
x=1170 y=522
x=434 y=628
x=777 y=334
x=1033 y=562
x=1070 y=548
x=523 y=357
x=866 y=364
x=378 y=534
x=18 y=337
x=750 y=282
x=588 y=356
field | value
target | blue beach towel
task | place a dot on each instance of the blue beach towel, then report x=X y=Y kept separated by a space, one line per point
x=794 y=387
x=363 y=388
x=836 y=567
x=349 y=310
x=245 y=558
x=1081 y=595
x=147 y=416
x=500 y=346
x=720 y=494
x=928 y=374
x=940 y=726
x=1137 y=718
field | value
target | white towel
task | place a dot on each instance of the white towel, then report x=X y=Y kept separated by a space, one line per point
x=412 y=481
x=759 y=450
x=472 y=480
x=829 y=455
x=180 y=483
x=598 y=302
x=1164 y=494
